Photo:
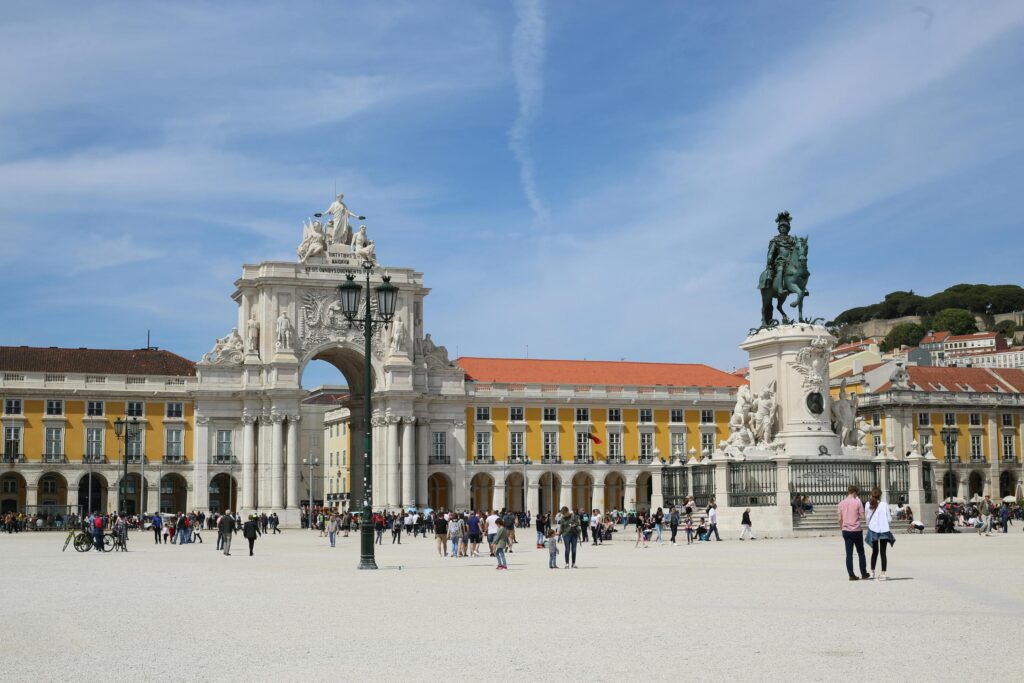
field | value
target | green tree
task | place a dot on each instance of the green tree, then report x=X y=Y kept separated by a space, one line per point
x=1007 y=328
x=955 y=321
x=904 y=334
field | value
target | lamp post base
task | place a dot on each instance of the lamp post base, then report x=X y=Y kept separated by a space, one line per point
x=366 y=559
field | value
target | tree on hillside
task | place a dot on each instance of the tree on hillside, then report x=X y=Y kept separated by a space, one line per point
x=904 y=334
x=1007 y=328
x=955 y=321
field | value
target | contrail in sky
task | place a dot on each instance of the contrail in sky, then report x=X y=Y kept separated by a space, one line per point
x=527 y=60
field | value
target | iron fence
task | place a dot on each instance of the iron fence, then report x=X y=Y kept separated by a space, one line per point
x=825 y=483
x=675 y=485
x=899 y=482
x=703 y=484
x=929 y=484
x=752 y=484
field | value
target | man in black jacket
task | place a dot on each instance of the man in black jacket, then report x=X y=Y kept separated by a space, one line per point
x=250 y=530
x=226 y=526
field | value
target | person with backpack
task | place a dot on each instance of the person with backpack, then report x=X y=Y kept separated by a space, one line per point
x=97 y=531
x=250 y=531
x=986 y=516
x=455 y=534
x=500 y=543
x=226 y=525
x=441 y=534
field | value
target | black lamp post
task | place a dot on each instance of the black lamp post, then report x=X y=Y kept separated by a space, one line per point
x=349 y=293
x=124 y=429
x=949 y=438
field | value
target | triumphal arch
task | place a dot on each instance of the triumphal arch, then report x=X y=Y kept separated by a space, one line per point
x=249 y=411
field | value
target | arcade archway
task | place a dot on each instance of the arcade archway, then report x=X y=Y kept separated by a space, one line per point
x=173 y=493
x=550 y=490
x=614 y=492
x=12 y=493
x=223 y=493
x=439 y=492
x=481 y=492
x=582 y=491
x=53 y=494
x=92 y=493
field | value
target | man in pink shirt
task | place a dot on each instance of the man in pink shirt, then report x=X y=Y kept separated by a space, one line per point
x=851 y=513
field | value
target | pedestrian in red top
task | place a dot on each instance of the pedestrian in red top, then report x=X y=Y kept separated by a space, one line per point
x=851 y=514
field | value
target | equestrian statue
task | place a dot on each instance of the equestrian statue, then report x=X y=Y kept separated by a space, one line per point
x=785 y=274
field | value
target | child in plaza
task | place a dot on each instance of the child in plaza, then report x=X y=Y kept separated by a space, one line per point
x=551 y=543
x=689 y=529
x=500 y=544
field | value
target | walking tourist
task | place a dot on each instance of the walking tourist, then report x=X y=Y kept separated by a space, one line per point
x=596 y=529
x=475 y=535
x=332 y=529
x=455 y=535
x=227 y=530
x=986 y=516
x=250 y=531
x=441 y=534
x=378 y=528
x=157 y=524
x=492 y=530
x=643 y=531
x=747 y=526
x=542 y=528
x=569 y=529
x=879 y=535
x=689 y=529
x=551 y=543
x=659 y=517
x=500 y=543
x=713 y=520
x=673 y=522
x=396 y=530
x=851 y=513
x=1004 y=517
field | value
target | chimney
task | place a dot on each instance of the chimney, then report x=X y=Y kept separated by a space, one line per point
x=858 y=367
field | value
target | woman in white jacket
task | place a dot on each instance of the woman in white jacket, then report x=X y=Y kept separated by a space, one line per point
x=876 y=511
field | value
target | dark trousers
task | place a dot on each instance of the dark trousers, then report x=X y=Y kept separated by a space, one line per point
x=675 y=530
x=156 y=534
x=252 y=542
x=396 y=535
x=596 y=535
x=714 y=527
x=878 y=547
x=583 y=530
x=855 y=539
x=570 y=547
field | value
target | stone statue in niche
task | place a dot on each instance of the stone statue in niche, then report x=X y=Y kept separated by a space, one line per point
x=284 y=331
x=338 y=229
x=741 y=434
x=363 y=247
x=398 y=336
x=227 y=350
x=434 y=356
x=314 y=241
x=252 y=334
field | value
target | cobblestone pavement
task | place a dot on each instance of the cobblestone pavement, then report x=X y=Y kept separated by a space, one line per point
x=299 y=610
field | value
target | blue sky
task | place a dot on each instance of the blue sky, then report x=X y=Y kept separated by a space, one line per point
x=590 y=180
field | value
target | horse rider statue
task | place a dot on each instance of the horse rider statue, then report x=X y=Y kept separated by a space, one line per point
x=786 y=273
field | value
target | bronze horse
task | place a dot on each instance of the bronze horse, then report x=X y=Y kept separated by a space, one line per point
x=794 y=278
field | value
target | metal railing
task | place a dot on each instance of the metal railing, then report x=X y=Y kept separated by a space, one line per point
x=703 y=484
x=551 y=459
x=54 y=457
x=616 y=460
x=675 y=484
x=645 y=459
x=94 y=459
x=517 y=459
x=134 y=459
x=899 y=482
x=825 y=483
x=174 y=459
x=440 y=460
x=484 y=459
x=14 y=457
x=584 y=460
x=225 y=460
x=752 y=484
x=928 y=475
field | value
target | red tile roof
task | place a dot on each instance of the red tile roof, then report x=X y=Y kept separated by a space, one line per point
x=970 y=337
x=924 y=378
x=95 y=361
x=593 y=372
x=935 y=338
x=849 y=372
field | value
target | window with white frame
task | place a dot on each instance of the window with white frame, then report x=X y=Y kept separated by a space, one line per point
x=94 y=408
x=976 y=450
x=876 y=420
x=926 y=442
x=677 y=442
x=582 y=445
x=48 y=485
x=707 y=417
x=12 y=406
x=550 y=415
x=94 y=442
x=550 y=444
x=175 y=410
x=483 y=414
x=676 y=416
x=1008 y=453
x=439 y=446
x=515 y=414
x=1007 y=420
x=951 y=447
x=134 y=409
x=614 y=445
x=133 y=442
x=54 y=407
x=950 y=419
x=12 y=441
x=615 y=414
x=174 y=443
x=224 y=443
x=646 y=445
x=583 y=414
x=646 y=416
x=924 y=419
x=877 y=445
x=516 y=448
x=483 y=445
x=707 y=442
x=54 y=441
x=975 y=419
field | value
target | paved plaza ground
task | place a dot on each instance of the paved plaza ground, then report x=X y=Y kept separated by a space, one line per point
x=299 y=610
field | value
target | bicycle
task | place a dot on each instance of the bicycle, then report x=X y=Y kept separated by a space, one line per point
x=82 y=541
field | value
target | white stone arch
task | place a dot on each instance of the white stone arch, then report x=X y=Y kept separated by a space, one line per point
x=348 y=358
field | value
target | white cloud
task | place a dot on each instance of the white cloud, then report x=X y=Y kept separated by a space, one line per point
x=527 y=63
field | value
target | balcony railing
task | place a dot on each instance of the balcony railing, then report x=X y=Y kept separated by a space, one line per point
x=14 y=457
x=225 y=460
x=551 y=459
x=584 y=460
x=174 y=459
x=94 y=459
x=645 y=459
x=440 y=460
x=54 y=457
x=484 y=460
x=517 y=459
x=616 y=460
x=134 y=459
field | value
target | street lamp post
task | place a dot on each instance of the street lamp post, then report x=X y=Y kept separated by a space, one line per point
x=312 y=462
x=387 y=297
x=949 y=438
x=123 y=430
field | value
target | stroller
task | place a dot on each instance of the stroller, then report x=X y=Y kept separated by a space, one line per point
x=944 y=523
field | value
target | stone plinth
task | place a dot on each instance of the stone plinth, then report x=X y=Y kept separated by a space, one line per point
x=792 y=361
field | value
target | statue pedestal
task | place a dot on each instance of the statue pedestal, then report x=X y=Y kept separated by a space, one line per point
x=793 y=361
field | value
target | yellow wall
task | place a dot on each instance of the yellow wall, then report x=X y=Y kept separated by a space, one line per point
x=32 y=435
x=534 y=440
x=630 y=436
x=599 y=416
x=499 y=433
